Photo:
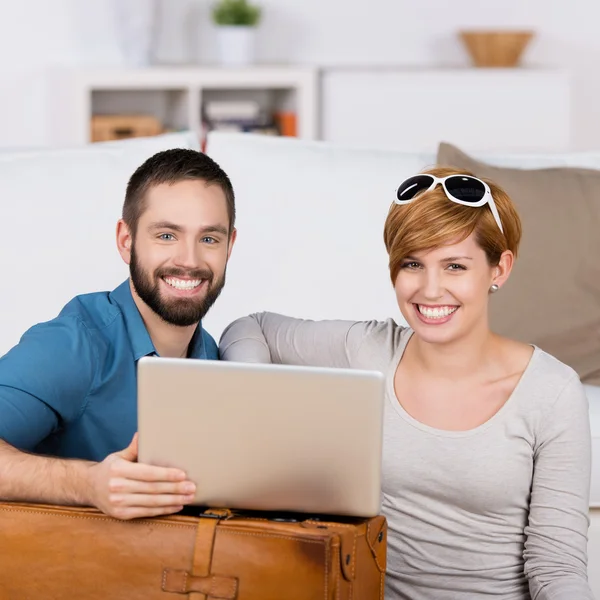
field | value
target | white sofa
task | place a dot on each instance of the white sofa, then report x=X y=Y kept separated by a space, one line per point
x=310 y=216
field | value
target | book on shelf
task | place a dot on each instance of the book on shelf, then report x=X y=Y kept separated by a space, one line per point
x=224 y=110
x=246 y=116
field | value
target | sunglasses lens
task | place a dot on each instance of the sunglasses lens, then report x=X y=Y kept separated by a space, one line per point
x=467 y=189
x=412 y=186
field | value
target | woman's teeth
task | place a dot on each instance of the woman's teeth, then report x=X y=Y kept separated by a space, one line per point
x=439 y=312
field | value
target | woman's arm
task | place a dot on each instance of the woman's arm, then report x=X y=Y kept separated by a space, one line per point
x=556 y=537
x=270 y=337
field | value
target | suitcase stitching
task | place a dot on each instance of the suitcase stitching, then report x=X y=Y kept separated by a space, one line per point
x=164 y=580
x=376 y=558
x=272 y=535
x=354 y=558
x=337 y=577
x=353 y=545
x=102 y=516
x=212 y=587
x=326 y=573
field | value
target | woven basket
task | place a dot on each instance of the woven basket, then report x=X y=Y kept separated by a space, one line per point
x=496 y=48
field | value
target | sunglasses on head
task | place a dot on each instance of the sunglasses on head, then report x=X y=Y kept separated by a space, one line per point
x=462 y=189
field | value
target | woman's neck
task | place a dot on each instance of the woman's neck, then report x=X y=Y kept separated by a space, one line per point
x=459 y=359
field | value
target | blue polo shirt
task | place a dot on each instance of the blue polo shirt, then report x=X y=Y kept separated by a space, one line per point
x=69 y=387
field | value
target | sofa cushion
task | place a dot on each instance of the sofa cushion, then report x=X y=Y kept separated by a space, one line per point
x=59 y=211
x=552 y=298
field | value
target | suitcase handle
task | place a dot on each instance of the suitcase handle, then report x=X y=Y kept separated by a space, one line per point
x=200 y=583
x=211 y=586
x=202 y=562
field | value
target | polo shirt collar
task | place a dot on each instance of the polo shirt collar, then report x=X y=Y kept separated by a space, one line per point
x=140 y=340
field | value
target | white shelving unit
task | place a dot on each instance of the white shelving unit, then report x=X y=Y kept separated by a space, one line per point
x=175 y=95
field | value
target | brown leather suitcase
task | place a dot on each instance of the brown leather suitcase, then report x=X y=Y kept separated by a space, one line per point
x=65 y=553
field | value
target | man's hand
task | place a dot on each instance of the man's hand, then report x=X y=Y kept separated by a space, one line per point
x=125 y=489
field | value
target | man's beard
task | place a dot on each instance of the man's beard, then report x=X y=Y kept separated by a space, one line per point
x=181 y=312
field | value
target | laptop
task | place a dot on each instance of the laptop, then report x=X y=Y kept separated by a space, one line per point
x=265 y=437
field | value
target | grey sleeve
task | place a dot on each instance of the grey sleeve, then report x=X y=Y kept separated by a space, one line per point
x=270 y=337
x=556 y=536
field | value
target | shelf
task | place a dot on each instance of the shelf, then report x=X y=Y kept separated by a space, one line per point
x=176 y=94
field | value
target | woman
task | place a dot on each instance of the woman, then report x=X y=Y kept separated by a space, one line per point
x=486 y=458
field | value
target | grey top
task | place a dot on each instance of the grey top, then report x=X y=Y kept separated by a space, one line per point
x=500 y=510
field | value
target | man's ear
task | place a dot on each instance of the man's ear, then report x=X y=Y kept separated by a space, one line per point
x=231 y=242
x=124 y=241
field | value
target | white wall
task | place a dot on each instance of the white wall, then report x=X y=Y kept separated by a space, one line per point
x=36 y=34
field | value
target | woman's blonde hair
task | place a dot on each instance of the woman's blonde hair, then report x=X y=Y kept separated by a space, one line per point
x=433 y=220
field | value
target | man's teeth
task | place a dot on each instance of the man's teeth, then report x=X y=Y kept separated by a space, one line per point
x=183 y=284
x=438 y=312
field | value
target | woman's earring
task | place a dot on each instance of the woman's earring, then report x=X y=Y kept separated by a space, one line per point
x=494 y=288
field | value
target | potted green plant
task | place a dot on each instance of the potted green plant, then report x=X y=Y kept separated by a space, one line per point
x=236 y=22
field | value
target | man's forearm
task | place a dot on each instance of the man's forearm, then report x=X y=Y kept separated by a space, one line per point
x=31 y=478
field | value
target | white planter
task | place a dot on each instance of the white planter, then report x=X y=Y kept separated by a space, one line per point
x=235 y=44
x=136 y=24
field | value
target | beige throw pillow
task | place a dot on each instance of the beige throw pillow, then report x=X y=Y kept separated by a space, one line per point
x=552 y=298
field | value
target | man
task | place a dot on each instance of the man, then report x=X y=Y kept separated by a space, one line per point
x=68 y=389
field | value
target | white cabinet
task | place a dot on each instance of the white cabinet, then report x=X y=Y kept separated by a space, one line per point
x=175 y=95
x=476 y=109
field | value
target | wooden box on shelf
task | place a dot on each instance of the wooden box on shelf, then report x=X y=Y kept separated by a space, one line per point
x=106 y=128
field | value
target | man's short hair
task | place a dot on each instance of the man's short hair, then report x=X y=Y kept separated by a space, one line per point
x=172 y=166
